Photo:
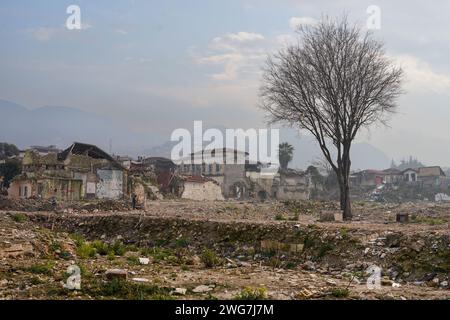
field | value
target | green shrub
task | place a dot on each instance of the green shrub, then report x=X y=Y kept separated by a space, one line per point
x=101 y=247
x=46 y=269
x=85 y=251
x=251 y=294
x=340 y=292
x=210 y=258
x=19 y=217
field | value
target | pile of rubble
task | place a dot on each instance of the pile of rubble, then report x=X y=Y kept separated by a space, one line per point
x=36 y=204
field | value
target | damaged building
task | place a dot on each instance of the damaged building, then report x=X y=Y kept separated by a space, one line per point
x=225 y=166
x=82 y=171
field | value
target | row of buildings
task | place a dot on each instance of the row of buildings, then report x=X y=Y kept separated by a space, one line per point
x=84 y=171
x=427 y=177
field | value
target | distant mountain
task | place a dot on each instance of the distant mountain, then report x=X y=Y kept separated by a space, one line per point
x=60 y=126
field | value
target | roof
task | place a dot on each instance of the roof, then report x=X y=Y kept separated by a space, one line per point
x=392 y=171
x=221 y=150
x=89 y=150
x=159 y=162
x=434 y=171
x=410 y=169
x=371 y=171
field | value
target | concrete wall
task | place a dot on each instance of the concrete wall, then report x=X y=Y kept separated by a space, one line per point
x=202 y=191
x=110 y=184
x=233 y=174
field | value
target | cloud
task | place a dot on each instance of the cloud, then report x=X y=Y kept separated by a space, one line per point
x=235 y=52
x=245 y=36
x=420 y=76
x=121 y=32
x=43 y=33
x=296 y=22
x=47 y=33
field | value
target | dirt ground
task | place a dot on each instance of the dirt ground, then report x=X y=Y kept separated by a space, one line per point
x=34 y=256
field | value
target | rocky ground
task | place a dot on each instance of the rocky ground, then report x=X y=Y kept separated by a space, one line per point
x=231 y=250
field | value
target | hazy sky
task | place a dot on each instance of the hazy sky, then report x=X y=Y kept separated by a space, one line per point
x=159 y=65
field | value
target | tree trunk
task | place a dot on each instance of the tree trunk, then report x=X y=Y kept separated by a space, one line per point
x=347 y=204
x=345 y=191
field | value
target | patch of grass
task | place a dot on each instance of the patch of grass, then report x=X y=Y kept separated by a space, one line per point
x=78 y=238
x=279 y=217
x=122 y=289
x=428 y=220
x=251 y=294
x=133 y=260
x=210 y=258
x=119 y=248
x=35 y=281
x=19 y=217
x=45 y=269
x=101 y=247
x=324 y=248
x=344 y=233
x=85 y=251
x=291 y=265
x=181 y=243
x=340 y=292
x=160 y=254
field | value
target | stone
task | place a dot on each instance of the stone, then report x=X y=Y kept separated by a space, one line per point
x=141 y=280
x=179 y=291
x=395 y=285
x=144 y=260
x=309 y=265
x=338 y=216
x=116 y=274
x=331 y=282
x=202 y=289
x=386 y=282
x=444 y=284
x=16 y=250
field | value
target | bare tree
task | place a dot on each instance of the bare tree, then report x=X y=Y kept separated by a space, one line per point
x=333 y=82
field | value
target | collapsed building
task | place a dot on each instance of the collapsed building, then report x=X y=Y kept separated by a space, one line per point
x=82 y=171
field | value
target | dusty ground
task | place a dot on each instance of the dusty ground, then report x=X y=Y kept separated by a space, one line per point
x=34 y=258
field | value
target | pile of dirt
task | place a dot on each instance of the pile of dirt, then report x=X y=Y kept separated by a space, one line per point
x=30 y=205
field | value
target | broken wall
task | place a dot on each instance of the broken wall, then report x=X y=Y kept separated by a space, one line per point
x=110 y=184
x=202 y=191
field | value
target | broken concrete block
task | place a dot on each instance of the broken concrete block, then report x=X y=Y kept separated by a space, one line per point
x=140 y=280
x=202 y=289
x=116 y=274
x=144 y=260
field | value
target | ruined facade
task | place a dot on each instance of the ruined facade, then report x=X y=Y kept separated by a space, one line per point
x=225 y=166
x=82 y=171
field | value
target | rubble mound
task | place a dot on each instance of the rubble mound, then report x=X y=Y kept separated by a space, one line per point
x=36 y=204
